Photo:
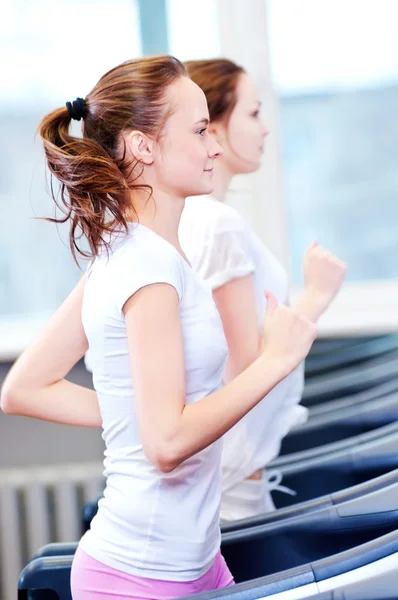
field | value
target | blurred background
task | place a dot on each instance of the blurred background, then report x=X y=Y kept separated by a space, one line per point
x=328 y=75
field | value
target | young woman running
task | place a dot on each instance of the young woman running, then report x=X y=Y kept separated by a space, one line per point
x=227 y=253
x=157 y=344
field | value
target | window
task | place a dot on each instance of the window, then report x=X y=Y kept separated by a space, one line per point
x=193 y=29
x=334 y=65
x=55 y=51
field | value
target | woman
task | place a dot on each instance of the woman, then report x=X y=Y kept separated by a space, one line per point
x=157 y=345
x=227 y=253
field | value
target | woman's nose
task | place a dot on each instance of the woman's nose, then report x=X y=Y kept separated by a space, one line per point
x=265 y=130
x=215 y=148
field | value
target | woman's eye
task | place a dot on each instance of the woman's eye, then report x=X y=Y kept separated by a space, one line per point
x=201 y=131
x=255 y=114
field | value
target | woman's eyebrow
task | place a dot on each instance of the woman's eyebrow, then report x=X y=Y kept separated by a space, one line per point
x=202 y=122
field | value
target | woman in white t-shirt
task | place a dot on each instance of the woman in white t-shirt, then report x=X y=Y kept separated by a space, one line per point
x=157 y=345
x=228 y=254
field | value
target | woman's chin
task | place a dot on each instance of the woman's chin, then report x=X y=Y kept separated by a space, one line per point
x=249 y=166
x=207 y=188
x=255 y=164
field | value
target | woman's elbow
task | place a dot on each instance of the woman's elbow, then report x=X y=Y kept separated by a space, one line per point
x=9 y=401
x=164 y=457
x=164 y=464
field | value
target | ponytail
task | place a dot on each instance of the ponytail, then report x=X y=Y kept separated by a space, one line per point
x=94 y=194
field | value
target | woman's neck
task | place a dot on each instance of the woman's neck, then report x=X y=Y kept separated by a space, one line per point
x=161 y=213
x=222 y=176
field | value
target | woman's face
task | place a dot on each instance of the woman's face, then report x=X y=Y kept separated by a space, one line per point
x=185 y=154
x=242 y=137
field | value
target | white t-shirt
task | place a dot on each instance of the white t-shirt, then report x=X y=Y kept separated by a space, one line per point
x=221 y=246
x=152 y=524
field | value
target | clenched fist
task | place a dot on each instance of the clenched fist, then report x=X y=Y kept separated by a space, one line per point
x=288 y=336
x=323 y=273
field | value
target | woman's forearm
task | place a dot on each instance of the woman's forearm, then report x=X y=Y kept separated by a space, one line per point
x=240 y=358
x=310 y=305
x=204 y=422
x=61 y=402
x=36 y=385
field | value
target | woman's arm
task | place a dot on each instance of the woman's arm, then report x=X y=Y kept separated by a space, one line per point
x=172 y=431
x=323 y=275
x=35 y=386
x=236 y=304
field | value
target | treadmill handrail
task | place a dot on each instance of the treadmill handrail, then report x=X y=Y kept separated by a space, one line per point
x=385 y=445
x=347 y=444
x=354 y=354
x=342 y=415
x=372 y=372
x=378 y=391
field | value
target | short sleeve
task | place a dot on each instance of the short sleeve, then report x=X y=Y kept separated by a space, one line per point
x=136 y=270
x=223 y=257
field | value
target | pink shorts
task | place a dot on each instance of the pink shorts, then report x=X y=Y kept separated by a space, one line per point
x=92 y=580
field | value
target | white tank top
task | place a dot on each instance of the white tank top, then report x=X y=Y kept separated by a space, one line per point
x=152 y=524
x=221 y=246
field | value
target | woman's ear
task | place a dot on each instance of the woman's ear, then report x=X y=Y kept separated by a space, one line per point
x=141 y=146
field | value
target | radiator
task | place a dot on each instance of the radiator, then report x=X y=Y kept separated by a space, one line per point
x=38 y=506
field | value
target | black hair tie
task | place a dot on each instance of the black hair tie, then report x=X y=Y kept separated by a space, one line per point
x=77 y=109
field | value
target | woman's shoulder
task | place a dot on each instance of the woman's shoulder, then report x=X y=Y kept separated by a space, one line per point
x=137 y=259
x=142 y=248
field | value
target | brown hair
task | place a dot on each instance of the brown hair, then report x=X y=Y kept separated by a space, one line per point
x=218 y=78
x=92 y=170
